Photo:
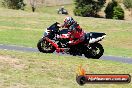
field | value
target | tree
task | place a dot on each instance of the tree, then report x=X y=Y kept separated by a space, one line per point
x=128 y=5
x=13 y=4
x=88 y=7
x=109 y=9
x=33 y=4
x=114 y=11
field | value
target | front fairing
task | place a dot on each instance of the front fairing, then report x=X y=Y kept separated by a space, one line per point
x=50 y=34
x=46 y=33
x=51 y=31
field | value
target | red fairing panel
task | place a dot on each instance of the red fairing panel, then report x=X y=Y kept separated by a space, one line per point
x=64 y=36
x=55 y=45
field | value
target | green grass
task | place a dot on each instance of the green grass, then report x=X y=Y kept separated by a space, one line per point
x=26 y=28
x=37 y=70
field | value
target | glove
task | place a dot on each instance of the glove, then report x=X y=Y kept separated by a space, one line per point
x=59 y=25
x=70 y=42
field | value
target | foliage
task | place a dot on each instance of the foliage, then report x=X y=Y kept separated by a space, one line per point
x=114 y=10
x=88 y=7
x=127 y=3
x=14 y=4
x=118 y=13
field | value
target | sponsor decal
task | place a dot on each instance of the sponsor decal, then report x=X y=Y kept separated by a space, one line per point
x=83 y=78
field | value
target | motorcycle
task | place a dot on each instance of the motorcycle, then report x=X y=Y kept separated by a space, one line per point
x=62 y=11
x=58 y=40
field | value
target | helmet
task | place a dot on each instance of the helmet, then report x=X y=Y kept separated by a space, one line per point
x=68 y=21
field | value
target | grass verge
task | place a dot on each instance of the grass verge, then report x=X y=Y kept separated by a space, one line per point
x=31 y=70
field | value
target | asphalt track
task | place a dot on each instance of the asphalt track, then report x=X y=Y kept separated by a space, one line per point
x=30 y=49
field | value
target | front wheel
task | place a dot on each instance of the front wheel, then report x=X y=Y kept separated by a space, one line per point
x=95 y=51
x=44 y=46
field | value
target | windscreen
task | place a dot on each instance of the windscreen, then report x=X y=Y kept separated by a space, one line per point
x=52 y=27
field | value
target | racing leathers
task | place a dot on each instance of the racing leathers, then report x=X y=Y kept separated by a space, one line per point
x=76 y=33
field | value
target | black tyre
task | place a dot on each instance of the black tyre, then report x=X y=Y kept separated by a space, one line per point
x=44 y=46
x=95 y=51
x=81 y=80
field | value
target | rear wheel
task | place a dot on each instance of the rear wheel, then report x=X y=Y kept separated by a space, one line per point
x=44 y=46
x=95 y=51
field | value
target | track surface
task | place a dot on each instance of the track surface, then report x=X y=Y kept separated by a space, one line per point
x=30 y=49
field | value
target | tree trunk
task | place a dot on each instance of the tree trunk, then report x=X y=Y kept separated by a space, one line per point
x=131 y=11
x=33 y=5
x=33 y=9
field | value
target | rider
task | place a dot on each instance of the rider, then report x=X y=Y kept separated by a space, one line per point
x=76 y=33
x=62 y=9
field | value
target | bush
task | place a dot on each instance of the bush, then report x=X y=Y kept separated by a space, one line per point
x=83 y=11
x=114 y=11
x=13 y=4
x=88 y=7
x=118 y=13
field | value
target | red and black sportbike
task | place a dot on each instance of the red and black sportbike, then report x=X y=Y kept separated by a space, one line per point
x=57 y=40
